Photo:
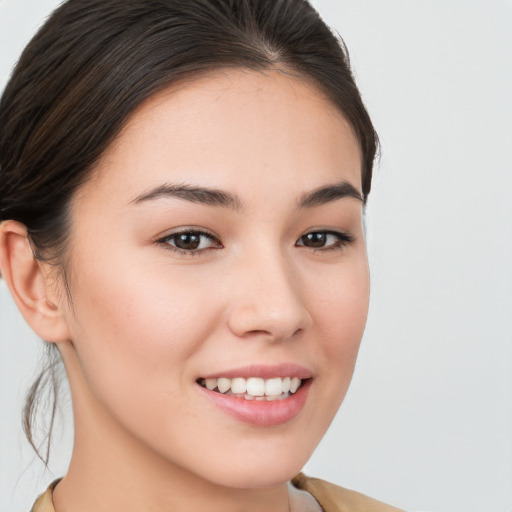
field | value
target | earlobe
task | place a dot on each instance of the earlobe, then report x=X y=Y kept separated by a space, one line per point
x=29 y=284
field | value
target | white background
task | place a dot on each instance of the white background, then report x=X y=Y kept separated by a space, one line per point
x=427 y=422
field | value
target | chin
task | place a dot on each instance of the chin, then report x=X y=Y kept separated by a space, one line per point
x=264 y=464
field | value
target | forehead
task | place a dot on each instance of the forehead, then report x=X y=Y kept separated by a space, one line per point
x=226 y=128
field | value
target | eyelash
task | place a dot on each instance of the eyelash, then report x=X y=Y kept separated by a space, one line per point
x=343 y=239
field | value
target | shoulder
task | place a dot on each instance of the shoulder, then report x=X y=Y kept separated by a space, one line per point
x=45 y=502
x=333 y=498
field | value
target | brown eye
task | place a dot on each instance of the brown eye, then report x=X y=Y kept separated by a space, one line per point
x=314 y=239
x=187 y=241
x=325 y=240
x=191 y=241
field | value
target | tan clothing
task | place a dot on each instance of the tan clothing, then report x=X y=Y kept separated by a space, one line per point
x=331 y=498
x=45 y=503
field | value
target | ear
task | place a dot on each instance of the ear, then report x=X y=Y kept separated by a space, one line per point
x=30 y=284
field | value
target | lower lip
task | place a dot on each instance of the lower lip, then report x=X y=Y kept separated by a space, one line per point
x=261 y=412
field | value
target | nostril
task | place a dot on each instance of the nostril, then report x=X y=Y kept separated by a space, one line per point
x=275 y=325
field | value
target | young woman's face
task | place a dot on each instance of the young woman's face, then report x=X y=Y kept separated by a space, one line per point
x=220 y=243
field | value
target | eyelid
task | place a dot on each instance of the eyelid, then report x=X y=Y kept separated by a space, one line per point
x=187 y=229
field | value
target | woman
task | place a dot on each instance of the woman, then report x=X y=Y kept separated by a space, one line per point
x=181 y=196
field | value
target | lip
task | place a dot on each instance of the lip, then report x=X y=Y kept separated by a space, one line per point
x=263 y=372
x=260 y=413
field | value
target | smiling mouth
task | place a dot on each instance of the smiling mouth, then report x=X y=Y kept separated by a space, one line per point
x=254 y=388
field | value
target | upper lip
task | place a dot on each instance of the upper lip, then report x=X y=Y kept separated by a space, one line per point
x=263 y=372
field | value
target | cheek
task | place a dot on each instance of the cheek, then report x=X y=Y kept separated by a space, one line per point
x=341 y=305
x=143 y=324
x=341 y=310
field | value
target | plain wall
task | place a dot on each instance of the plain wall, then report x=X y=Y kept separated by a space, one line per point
x=427 y=422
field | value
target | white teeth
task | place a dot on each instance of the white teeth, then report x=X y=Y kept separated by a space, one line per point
x=223 y=384
x=254 y=388
x=273 y=387
x=294 y=384
x=238 y=385
x=211 y=383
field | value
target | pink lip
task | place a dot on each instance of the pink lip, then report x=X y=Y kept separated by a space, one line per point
x=263 y=372
x=261 y=413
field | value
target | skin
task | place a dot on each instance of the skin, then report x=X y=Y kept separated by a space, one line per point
x=146 y=321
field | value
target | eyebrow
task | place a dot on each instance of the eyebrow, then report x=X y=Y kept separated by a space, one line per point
x=194 y=194
x=215 y=197
x=328 y=194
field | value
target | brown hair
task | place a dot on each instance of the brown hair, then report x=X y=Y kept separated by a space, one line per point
x=95 y=61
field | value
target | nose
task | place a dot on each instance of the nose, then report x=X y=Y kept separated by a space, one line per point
x=268 y=300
